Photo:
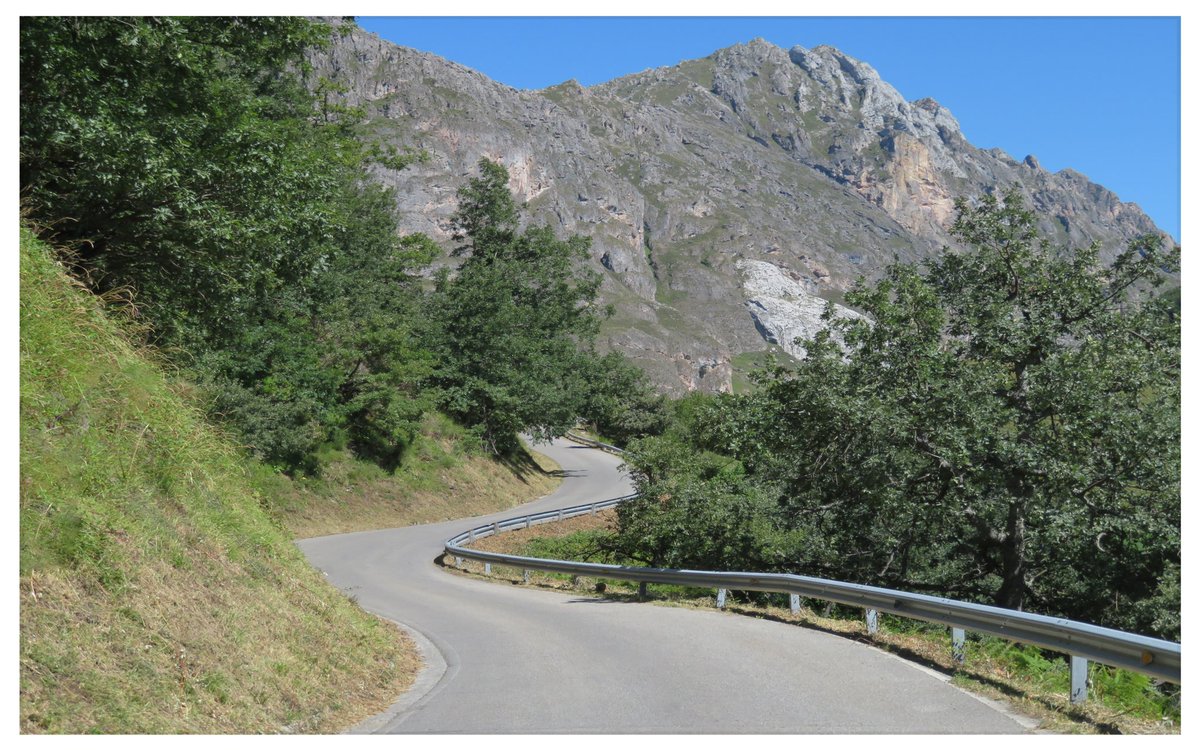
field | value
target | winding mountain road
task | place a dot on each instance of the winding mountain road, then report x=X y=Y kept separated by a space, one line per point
x=508 y=659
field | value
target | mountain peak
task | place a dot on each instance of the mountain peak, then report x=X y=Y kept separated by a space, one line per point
x=942 y=117
x=749 y=54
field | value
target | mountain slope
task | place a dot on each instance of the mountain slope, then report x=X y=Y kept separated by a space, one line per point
x=802 y=159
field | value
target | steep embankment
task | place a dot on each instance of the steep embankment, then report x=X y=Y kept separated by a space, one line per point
x=156 y=594
x=441 y=478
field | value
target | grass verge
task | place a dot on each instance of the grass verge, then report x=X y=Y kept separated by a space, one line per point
x=1033 y=682
x=441 y=478
x=156 y=595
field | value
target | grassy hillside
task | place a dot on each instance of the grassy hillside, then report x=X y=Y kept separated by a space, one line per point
x=157 y=596
x=441 y=478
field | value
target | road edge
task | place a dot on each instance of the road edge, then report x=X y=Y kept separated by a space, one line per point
x=433 y=669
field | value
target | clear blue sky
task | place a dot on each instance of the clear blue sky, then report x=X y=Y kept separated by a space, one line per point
x=1099 y=95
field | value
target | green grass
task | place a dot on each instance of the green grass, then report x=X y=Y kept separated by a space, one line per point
x=700 y=71
x=579 y=545
x=157 y=596
x=1129 y=693
x=747 y=363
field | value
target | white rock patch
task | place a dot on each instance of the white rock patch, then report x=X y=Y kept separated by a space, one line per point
x=784 y=309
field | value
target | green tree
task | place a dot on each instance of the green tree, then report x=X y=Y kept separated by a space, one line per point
x=1005 y=423
x=180 y=159
x=695 y=508
x=1002 y=426
x=371 y=326
x=508 y=329
x=187 y=160
x=620 y=402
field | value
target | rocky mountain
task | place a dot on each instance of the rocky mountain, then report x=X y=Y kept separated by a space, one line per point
x=727 y=198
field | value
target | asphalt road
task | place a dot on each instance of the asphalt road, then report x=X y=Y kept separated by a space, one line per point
x=506 y=659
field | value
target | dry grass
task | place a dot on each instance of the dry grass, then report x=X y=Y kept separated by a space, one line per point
x=983 y=674
x=203 y=653
x=442 y=481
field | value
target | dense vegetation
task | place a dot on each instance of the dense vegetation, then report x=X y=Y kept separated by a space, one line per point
x=194 y=168
x=1003 y=427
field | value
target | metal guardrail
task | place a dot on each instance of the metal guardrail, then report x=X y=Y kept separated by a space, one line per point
x=594 y=444
x=1083 y=642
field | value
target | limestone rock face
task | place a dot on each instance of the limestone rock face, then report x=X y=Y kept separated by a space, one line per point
x=695 y=180
x=784 y=306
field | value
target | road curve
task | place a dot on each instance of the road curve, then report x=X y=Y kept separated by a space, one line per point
x=521 y=660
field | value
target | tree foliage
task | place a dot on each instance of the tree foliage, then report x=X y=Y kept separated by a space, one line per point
x=1002 y=426
x=696 y=508
x=187 y=160
x=620 y=403
x=180 y=158
x=509 y=328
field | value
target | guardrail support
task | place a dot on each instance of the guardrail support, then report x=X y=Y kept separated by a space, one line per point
x=872 y=622
x=794 y=601
x=526 y=576
x=528 y=521
x=720 y=598
x=471 y=536
x=487 y=569
x=958 y=645
x=593 y=509
x=1079 y=675
x=495 y=527
x=560 y=515
x=457 y=561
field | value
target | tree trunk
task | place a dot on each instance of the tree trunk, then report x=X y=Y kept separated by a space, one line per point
x=1012 y=553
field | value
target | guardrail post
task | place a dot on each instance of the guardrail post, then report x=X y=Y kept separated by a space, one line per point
x=495 y=527
x=526 y=576
x=641 y=590
x=528 y=521
x=872 y=622
x=457 y=561
x=720 y=598
x=560 y=515
x=1079 y=675
x=487 y=569
x=794 y=600
x=958 y=645
x=593 y=509
x=471 y=536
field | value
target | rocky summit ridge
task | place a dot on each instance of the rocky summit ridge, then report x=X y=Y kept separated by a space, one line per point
x=727 y=198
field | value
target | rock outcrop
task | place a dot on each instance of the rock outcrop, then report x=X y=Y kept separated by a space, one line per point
x=785 y=307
